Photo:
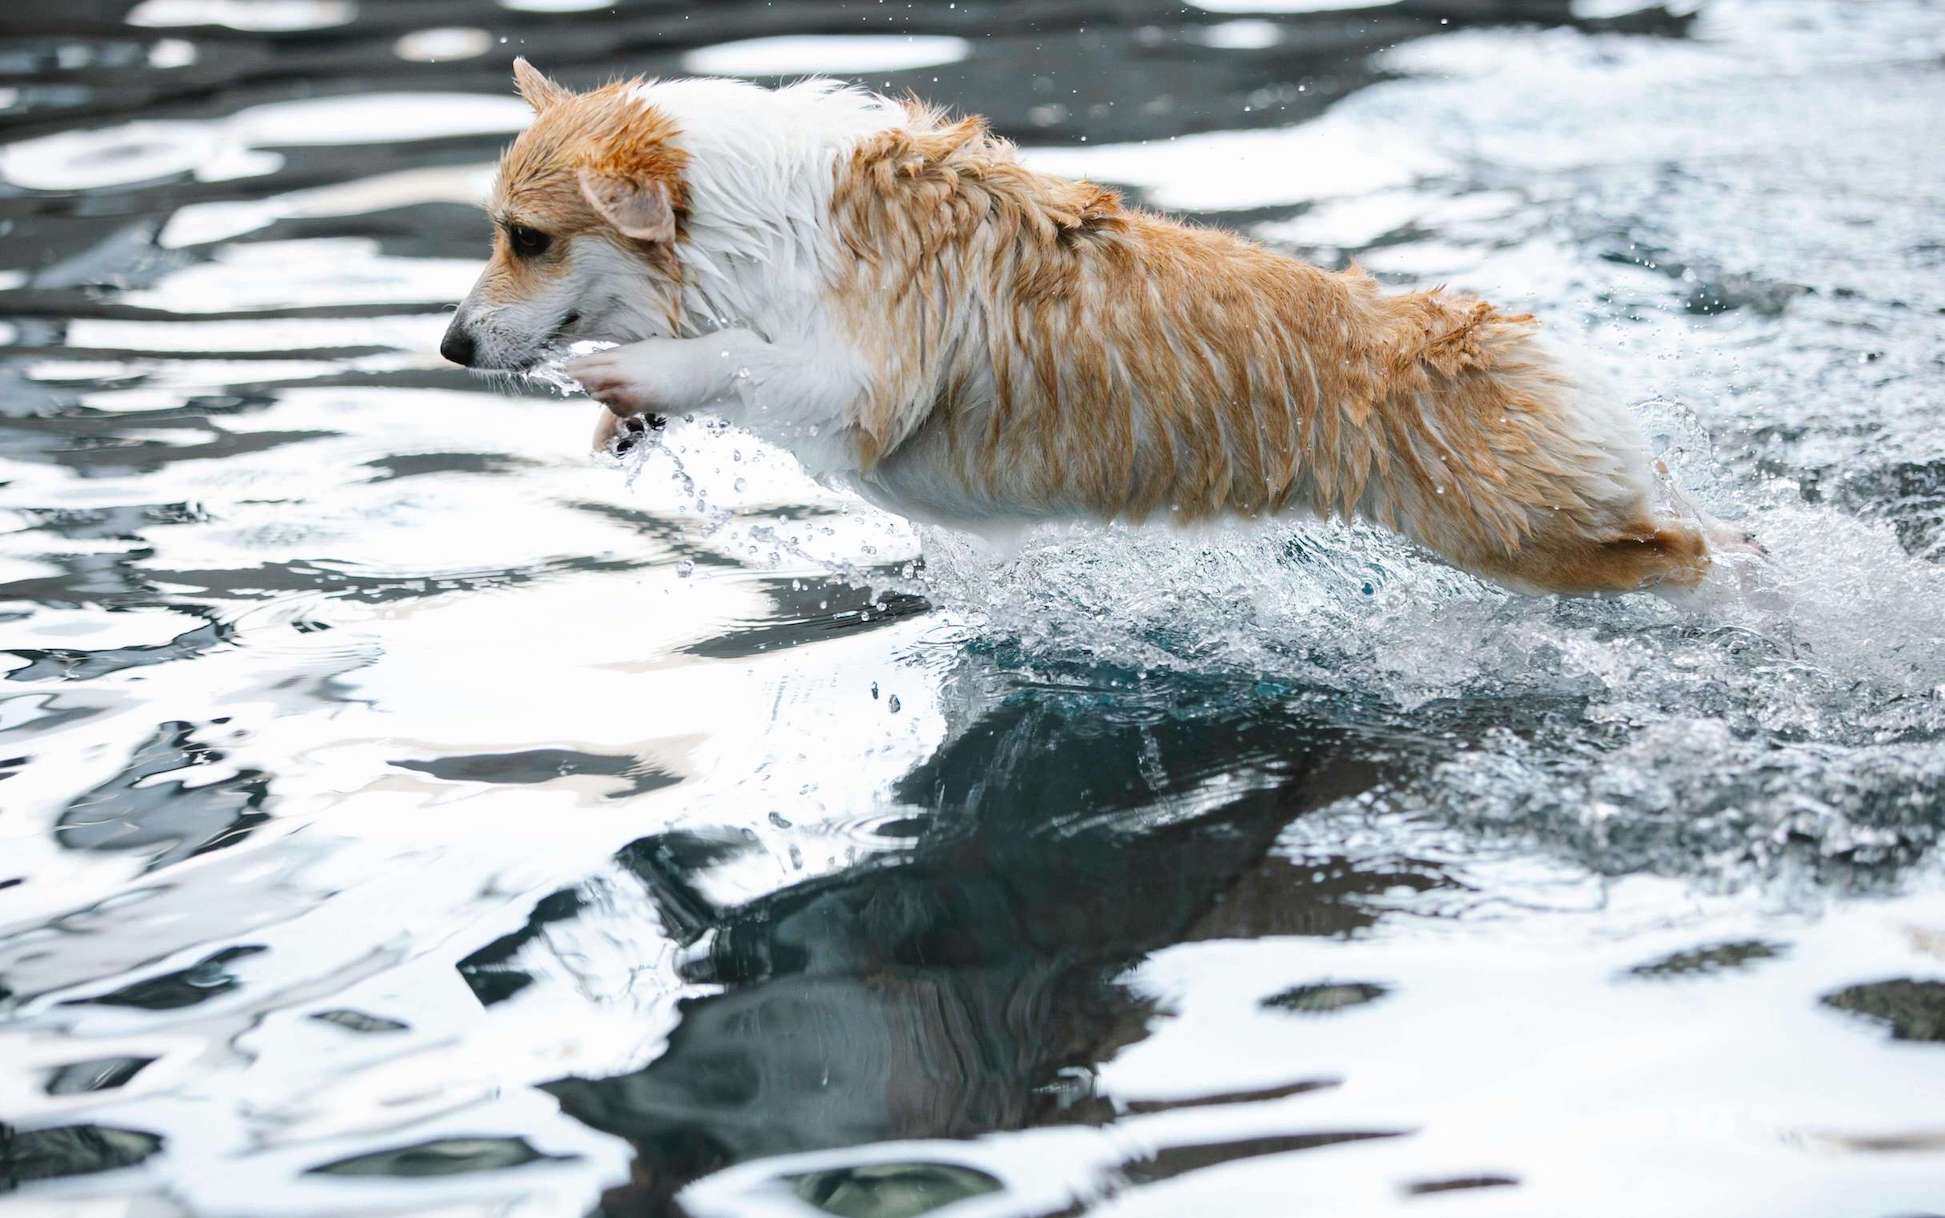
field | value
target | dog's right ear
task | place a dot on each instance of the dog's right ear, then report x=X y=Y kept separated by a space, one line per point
x=639 y=208
x=536 y=90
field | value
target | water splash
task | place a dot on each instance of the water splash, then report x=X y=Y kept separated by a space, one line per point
x=1793 y=706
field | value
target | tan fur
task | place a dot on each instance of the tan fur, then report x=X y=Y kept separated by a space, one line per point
x=1139 y=366
x=1055 y=352
x=539 y=184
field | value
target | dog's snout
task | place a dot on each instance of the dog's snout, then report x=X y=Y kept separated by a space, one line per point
x=458 y=345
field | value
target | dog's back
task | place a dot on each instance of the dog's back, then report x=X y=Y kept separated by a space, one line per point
x=1043 y=350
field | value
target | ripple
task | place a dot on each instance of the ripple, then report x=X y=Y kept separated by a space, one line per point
x=192 y=986
x=221 y=150
x=443 y=43
x=256 y=16
x=441 y=1157
x=1288 y=6
x=280 y=274
x=1239 y=170
x=89 y=160
x=1241 y=35
x=842 y=54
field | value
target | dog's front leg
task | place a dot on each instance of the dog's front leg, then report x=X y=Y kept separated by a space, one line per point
x=667 y=375
x=803 y=395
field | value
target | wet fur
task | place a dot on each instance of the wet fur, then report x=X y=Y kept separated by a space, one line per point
x=896 y=298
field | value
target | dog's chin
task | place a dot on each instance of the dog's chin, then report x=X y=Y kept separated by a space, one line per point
x=528 y=363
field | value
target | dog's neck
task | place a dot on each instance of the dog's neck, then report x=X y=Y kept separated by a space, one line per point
x=757 y=251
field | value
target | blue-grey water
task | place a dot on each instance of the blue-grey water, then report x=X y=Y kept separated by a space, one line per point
x=403 y=811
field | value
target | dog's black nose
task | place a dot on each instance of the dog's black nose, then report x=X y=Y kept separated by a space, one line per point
x=457 y=346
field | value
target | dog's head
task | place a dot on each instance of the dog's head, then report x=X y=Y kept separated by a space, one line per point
x=586 y=211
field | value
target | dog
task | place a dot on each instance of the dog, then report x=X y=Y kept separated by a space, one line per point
x=894 y=297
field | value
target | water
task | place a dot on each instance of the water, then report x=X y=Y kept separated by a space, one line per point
x=406 y=812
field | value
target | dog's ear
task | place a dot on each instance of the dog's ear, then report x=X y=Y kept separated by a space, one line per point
x=640 y=209
x=536 y=90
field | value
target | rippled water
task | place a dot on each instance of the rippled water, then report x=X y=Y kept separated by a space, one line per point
x=404 y=812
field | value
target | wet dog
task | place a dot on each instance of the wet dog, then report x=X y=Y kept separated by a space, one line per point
x=895 y=298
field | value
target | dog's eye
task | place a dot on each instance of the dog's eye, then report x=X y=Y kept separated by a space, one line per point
x=528 y=242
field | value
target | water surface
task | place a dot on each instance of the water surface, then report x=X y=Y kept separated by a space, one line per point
x=402 y=811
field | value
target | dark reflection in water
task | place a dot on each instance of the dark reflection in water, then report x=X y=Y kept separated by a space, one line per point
x=964 y=984
x=444 y=1157
x=166 y=821
x=202 y=981
x=102 y=1074
x=542 y=765
x=1180 y=1160
x=69 y=1150
x=1696 y=962
x=1326 y=997
x=890 y=1190
x=805 y=611
x=1459 y=1184
x=1911 y=1008
x=359 y=1021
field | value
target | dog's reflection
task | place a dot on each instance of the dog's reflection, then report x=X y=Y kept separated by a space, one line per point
x=967 y=984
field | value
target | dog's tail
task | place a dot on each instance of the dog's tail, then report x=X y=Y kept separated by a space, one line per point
x=1540 y=476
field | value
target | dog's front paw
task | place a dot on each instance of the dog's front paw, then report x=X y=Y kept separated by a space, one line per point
x=617 y=435
x=617 y=380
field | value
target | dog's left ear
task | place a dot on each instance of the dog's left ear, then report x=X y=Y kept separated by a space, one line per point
x=536 y=90
x=639 y=209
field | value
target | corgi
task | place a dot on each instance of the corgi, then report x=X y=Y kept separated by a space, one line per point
x=894 y=297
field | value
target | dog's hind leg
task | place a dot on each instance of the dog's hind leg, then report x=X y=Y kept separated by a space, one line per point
x=1663 y=554
x=1517 y=464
